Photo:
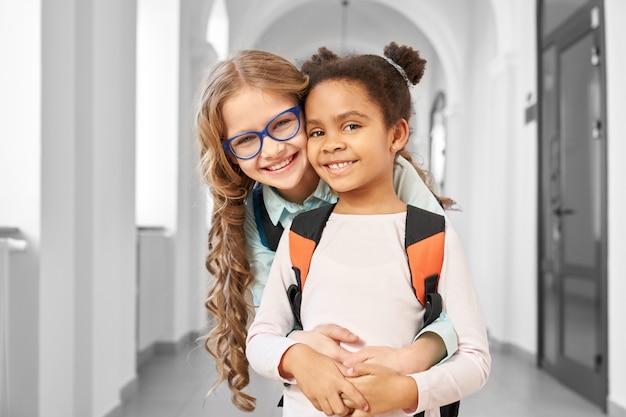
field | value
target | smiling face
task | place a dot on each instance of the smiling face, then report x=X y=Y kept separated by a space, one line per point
x=282 y=165
x=349 y=145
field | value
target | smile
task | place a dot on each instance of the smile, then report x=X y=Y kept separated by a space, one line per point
x=339 y=165
x=280 y=165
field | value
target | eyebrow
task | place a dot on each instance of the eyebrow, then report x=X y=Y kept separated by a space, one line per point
x=342 y=116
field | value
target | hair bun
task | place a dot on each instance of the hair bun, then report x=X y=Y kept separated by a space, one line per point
x=407 y=58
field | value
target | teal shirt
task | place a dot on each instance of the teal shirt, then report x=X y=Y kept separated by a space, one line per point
x=410 y=188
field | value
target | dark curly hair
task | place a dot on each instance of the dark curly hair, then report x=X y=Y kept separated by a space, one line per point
x=386 y=81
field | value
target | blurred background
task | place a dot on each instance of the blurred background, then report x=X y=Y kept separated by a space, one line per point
x=103 y=212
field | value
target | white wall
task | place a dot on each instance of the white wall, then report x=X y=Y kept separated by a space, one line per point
x=19 y=114
x=502 y=175
x=158 y=62
x=155 y=282
x=20 y=188
x=522 y=268
x=616 y=103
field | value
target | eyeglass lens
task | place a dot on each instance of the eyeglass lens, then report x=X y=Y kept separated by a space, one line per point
x=283 y=127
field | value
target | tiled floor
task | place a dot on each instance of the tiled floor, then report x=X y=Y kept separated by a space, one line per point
x=175 y=386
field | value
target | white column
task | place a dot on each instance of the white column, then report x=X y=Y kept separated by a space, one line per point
x=88 y=238
x=192 y=231
x=7 y=245
x=615 y=10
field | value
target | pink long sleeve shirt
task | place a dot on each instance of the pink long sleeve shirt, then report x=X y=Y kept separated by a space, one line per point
x=359 y=279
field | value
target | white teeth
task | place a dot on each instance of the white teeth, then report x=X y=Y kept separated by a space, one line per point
x=339 y=165
x=280 y=165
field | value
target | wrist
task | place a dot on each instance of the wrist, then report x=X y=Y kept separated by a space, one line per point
x=409 y=398
x=287 y=368
x=412 y=359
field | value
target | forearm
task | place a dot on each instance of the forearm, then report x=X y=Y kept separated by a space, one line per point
x=425 y=352
x=326 y=339
x=433 y=344
x=445 y=329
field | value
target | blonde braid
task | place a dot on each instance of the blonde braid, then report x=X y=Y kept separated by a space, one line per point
x=227 y=258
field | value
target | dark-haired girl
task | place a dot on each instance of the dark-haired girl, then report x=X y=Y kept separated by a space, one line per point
x=357 y=110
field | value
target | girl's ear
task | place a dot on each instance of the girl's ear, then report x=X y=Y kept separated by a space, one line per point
x=400 y=135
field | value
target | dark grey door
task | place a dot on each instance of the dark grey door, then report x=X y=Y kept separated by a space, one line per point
x=572 y=276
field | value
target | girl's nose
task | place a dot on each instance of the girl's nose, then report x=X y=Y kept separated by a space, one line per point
x=332 y=142
x=272 y=148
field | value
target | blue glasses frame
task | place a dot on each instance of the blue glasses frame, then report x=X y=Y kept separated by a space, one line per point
x=265 y=132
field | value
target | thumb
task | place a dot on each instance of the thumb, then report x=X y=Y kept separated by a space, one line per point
x=359 y=369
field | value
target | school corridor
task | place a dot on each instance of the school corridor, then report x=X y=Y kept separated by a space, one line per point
x=175 y=385
x=104 y=213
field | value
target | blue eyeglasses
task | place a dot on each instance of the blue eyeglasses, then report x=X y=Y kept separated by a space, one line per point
x=281 y=128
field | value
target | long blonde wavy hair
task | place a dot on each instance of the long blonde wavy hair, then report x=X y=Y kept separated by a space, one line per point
x=227 y=259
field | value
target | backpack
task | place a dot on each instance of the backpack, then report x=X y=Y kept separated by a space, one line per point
x=269 y=233
x=424 y=245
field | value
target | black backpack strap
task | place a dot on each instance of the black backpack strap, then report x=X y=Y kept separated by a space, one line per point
x=434 y=303
x=310 y=224
x=270 y=234
x=450 y=410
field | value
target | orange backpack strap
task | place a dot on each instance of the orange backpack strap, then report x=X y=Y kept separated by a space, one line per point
x=304 y=235
x=424 y=243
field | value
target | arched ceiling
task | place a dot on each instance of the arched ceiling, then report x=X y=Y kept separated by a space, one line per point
x=369 y=26
x=295 y=29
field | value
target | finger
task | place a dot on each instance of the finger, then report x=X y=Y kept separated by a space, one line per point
x=339 y=334
x=354 y=396
x=338 y=406
x=347 y=401
x=356 y=357
x=326 y=408
x=316 y=404
x=360 y=369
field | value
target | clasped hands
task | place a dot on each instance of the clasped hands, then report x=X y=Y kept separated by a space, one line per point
x=368 y=382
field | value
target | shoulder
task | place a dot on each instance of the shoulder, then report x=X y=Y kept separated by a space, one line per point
x=411 y=188
x=423 y=215
x=314 y=214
